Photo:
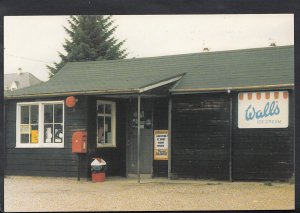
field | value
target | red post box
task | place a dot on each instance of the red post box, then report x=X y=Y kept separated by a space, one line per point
x=79 y=142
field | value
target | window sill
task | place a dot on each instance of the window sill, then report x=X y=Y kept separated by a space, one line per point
x=106 y=146
x=34 y=147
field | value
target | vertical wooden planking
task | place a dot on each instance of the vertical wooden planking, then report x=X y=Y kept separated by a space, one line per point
x=262 y=154
x=160 y=122
x=126 y=125
x=152 y=139
x=200 y=144
x=115 y=157
x=169 y=137
x=230 y=137
x=40 y=161
x=45 y=161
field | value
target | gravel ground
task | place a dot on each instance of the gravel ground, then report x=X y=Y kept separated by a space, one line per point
x=121 y=194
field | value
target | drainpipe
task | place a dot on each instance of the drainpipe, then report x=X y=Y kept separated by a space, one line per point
x=138 y=138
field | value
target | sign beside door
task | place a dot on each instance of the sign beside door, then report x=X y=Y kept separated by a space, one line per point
x=160 y=144
x=263 y=109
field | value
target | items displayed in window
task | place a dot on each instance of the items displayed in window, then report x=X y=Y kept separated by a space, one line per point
x=53 y=123
x=58 y=133
x=106 y=124
x=145 y=120
x=29 y=124
x=40 y=124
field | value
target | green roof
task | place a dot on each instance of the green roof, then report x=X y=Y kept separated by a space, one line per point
x=246 y=68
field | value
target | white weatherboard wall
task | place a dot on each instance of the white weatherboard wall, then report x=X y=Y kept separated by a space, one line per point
x=263 y=109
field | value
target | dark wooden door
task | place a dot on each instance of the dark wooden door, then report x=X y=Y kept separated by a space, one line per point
x=146 y=139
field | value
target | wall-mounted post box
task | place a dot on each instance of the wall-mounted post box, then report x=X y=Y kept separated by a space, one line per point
x=79 y=142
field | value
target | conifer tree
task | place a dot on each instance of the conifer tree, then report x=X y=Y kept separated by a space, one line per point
x=91 y=39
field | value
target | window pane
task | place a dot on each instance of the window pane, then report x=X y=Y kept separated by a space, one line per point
x=107 y=128
x=58 y=133
x=34 y=137
x=34 y=114
x=58 y=112
x=24 y=114
x=100 y=108
x=48 y=113
x=25 y=129
x=107 y=109
x=24 y=138
x=48 y=133
x=100 y=129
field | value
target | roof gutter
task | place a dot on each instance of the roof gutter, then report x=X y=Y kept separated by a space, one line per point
x=222 y=89
x=141 y=90
x=94 y=92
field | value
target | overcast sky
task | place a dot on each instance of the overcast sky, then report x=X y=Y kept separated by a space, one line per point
x=31 y=42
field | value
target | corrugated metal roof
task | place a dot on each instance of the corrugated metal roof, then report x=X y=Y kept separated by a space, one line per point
x=204 y=71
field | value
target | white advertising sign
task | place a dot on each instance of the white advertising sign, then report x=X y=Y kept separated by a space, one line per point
x=160 y=144
x=263 y=109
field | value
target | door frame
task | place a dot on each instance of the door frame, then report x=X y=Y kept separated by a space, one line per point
x=130 y=104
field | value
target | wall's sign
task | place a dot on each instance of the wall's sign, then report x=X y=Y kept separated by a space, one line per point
x=263 y=109
x=160 y=144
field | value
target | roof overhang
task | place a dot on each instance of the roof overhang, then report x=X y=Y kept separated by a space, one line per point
x=226 y=89
x=130 y=91
x=55 y=94
x=153 y=86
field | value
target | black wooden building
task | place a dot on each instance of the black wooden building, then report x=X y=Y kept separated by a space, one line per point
x=228 y=115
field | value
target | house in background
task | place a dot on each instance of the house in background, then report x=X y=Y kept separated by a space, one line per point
x=13 y=81
x=228 y=115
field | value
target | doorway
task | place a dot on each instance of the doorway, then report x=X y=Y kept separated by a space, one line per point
x=146 y=138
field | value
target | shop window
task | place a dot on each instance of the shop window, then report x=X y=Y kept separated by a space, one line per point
x=29 y=124
x=53 y=126
x=106 y=124
x=40 y=124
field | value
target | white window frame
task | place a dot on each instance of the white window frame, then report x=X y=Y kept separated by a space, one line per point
x=40 y=143
x=113 y=124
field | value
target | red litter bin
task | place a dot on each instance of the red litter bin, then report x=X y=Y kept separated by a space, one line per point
x=98 y=168
x=98 y=177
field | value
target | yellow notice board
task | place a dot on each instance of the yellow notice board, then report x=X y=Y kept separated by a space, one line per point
x=34 y=136
x=160 y=144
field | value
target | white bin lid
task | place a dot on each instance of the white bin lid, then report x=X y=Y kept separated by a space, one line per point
x=98 y=162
